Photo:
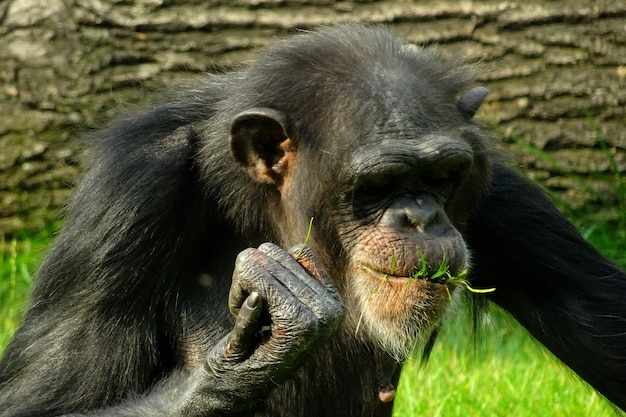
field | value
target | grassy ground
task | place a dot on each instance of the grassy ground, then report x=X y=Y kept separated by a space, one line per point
x=505 y=374
x=18 y=260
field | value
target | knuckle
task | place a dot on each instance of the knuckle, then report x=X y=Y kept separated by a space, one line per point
x=340 y=312
x=334 y=314
x=270 y=248
x=244 y=258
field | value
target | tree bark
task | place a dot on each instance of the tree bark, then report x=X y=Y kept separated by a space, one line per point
x=556 y=71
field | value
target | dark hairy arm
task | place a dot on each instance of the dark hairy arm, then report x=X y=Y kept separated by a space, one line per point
x=566 y=294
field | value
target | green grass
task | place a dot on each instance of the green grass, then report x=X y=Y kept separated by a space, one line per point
x=18 y=259
x=506 y=373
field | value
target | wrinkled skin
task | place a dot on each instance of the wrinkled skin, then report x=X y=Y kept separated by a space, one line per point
x=303 y=310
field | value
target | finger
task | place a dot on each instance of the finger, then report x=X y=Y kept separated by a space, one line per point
x=242 y=341
x=307 y=259
x=255 y=271
x=319 y=298
x=237 y=293
x=298 y=316
x=296 y=277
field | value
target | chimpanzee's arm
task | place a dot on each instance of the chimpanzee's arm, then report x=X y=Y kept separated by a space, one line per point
x=552 y=281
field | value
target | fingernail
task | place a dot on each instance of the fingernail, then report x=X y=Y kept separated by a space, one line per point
x=297 y=249
x=252 y=302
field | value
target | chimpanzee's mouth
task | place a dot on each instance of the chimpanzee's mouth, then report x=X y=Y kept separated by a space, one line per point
x=394 y=278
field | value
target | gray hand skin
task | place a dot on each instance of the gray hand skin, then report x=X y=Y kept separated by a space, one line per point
x=283 y=312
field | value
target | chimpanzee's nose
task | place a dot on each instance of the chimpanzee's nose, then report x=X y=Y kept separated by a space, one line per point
x=411 y=211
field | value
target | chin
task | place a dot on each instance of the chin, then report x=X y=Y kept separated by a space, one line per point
x=397 y=313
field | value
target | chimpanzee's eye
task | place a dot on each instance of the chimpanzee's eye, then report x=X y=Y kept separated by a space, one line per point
x=374 y=191
x=377 y=183
x=385 y=179
x=441 y=183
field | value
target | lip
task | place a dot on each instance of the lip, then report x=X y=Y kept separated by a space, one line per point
x=398 y=279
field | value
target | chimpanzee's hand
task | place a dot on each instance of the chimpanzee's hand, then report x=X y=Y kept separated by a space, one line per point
x=285 y=308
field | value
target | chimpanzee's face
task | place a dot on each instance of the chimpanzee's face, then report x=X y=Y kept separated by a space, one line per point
x=403 y=251
x=389 y=167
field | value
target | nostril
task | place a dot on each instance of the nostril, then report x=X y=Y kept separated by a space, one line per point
x=412 y=220
x=421 y=212
x=412 y=212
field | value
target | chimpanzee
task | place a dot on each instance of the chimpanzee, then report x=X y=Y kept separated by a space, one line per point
x=345 y=138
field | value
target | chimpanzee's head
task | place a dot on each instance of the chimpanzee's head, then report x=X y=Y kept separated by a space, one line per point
x=371 y=138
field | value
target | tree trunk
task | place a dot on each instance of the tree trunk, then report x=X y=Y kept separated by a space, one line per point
x=556 y=71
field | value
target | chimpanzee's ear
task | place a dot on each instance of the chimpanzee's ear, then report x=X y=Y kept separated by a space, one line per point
x=469 y=102
x=259 y=142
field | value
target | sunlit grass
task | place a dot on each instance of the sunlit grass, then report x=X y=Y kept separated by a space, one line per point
x=506 y=373
x=18 y=260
